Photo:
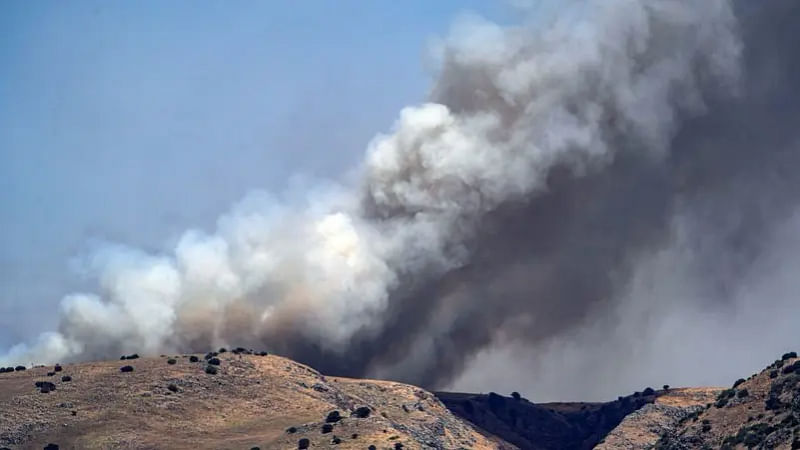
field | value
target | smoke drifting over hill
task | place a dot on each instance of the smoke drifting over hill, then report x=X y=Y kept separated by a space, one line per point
x=553 y=161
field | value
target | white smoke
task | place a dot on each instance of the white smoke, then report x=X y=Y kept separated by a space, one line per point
x=510 y=104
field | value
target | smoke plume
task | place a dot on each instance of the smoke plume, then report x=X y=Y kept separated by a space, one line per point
x=558 y=165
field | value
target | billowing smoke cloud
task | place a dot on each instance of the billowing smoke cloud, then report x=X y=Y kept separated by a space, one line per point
x=553 y=160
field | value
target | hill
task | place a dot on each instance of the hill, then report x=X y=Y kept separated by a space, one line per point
x=251 y=401
x=761 y=412
x=641 y=429
x=545 y=426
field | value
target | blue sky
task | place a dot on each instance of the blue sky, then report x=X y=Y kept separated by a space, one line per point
x=132 y=121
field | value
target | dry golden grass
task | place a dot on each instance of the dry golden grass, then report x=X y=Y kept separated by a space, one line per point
x=251 y=402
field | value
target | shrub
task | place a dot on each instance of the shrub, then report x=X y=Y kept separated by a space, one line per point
x=263 y=353
x=172 y=387
x=66 y=378
x=773 y=374
x=742 y=393
x=126 y=369
x=214 y=361
x=51 y=447
x=50 y=374
x=516 y=395
x=291 y=430
x=57 y=368
x=788 y=369
x=738 y=382
x=133 y=356
x=788 y=356
x=648 y=391
x=333 y=417
x=303 y=443
x=666 y=387
x=193 y=358
x=47 y=386
x=496 y=401
x=336 y=440
x=362 y=412
x=2 y=370
x=354 y=436
x=19 y=368
x=398 y=446
x=211 y=370
x=371 y=447
x=172 y=361
x=327 y=428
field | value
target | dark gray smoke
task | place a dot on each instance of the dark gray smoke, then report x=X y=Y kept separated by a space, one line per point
x=558 y=167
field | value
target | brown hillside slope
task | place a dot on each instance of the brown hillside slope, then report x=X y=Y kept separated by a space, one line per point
x=641 y=429
x=762 y=412
x=253 y=401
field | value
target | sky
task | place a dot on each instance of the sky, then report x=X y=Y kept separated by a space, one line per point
x=132 y=121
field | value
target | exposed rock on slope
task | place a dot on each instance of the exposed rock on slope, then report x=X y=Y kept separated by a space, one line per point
x=251 y=401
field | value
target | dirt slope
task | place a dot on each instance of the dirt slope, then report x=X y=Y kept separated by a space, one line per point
x=253 y=401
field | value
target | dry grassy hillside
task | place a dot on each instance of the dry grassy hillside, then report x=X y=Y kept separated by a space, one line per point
x=762 y=412
x=641 y=429
x=268 y=402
